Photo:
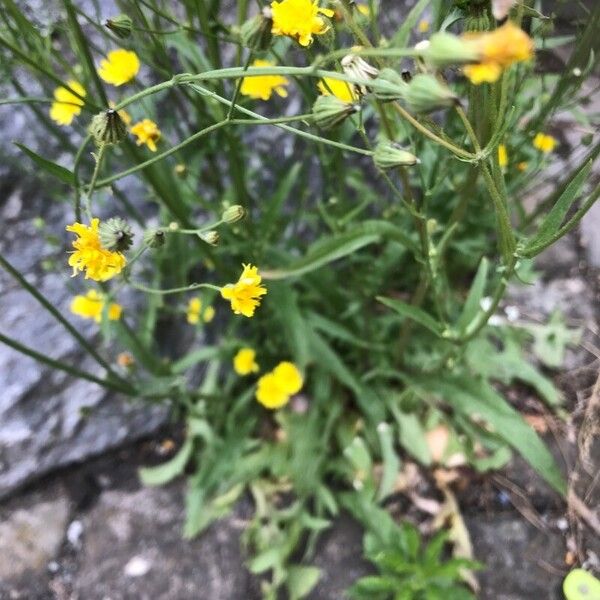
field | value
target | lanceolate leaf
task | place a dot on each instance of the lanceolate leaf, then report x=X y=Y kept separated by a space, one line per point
x=412 y=312
x=169 y=470
x=478 y=401
x=50 y=167
x=476 y=292
x=556 y=216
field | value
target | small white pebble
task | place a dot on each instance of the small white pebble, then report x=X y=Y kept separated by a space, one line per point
x=137 y=567
x=74 y=533
x=562 y=524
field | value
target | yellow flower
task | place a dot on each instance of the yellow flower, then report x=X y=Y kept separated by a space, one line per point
x=498 y=50
x=147 y=132
x=91 y=306
x=289 y=377
x=340 y=89
x=363 y=9
x=275 y=388
x=209 y=314
x=244 y=362
x=544 y=143
x=194 y=308
x=270 y=393
x=245 y=294
x=423 y=26
x=262 y=86
x=66 y=105
x=502 y=156
x=522 y=166
x=299 y=19
x=98 y=263
x=119 y=66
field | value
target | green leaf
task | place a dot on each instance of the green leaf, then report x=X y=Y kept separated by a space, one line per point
x=401 y=37
x=472 y=304
x=365 y=587
x=330 y=249
x=301 y=580
x=391 y=462
x=411 y=435
x=50 y=167
x=412 y=312
x=476 y=400
x=266 y=560
x=194 y=357
x=164 y=473
x=556 y=216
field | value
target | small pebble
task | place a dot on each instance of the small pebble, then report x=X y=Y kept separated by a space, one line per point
x=74 y=532
x=137 y=567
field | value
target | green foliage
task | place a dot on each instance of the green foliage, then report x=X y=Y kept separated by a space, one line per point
x=385 y=288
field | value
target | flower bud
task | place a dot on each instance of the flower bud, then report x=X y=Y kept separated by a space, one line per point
x=354 y=66
x=115 y=234
x=255 y=33
x=329 y=111
x=234 y=213
x=390 y=85
x=389 y=155
x=426 y=93
x=121 y=26
x=108 y=127
x=446 y=49
x=210 y=237
x=154 y=238
x=180 y=170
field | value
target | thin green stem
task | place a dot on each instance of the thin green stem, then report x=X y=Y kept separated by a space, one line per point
x=178 y=290
x=92 y=186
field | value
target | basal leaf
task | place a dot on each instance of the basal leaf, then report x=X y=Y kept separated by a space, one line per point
x=50 y=167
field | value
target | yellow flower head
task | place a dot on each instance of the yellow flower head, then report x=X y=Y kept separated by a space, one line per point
x=119 y=66
x=244 y=362
x=502 y=156
x=194 y=308
x=245 y=294
x=522 y=166
x=91 y=306
x=423 y=26
x=270 y=393
x=262 y=87
x=545 y=143
x=498 y=50
x=275 y=388
x=147 y=132
x=340 y=89
x=289 y=377
x=299 y=19
x=66 y=105
x=98 y=263
x=209 y=314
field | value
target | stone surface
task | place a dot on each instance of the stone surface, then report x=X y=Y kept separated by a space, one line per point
x=30 y=536
x=522 y=562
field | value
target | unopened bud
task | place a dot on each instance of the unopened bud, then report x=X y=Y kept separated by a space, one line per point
x=154 y=238
x=389 y=155
x=121 y=26
x=180 y=170
x=115 y=234
x=426 y=93
x=329 y=111
x=358 y=68
x=210 y=237
x=108 y=127
x=390 y=85
x=255 y=33
x=233 y=214
x=446 y=49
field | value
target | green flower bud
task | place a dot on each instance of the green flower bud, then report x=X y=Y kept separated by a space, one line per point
x=234 y=213
x=255 y=33
x=390 y=85
x=121 y=26
x=210 y=237
x=107 y=127
x=115 y=234
x=446 y=49
x=426 y=93
x=154 y=238
x=389 y=155
x=329 y=111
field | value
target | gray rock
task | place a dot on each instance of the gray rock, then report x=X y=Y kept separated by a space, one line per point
x=590 y=226
x=521 y=561
x=132 y=548
x=30 y=537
